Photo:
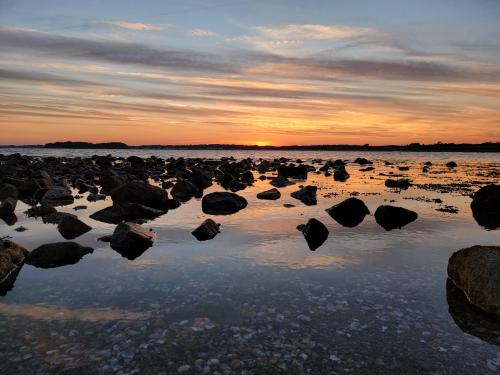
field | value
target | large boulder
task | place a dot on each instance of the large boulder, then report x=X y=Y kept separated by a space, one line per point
x=142 y=193
x=57 y=196
x=206 y=231
x=349 y=213
x=391 y=217
x=315 y=233
x=71 y=227
x=306 y=195
x=222 y=203
x=184 y=190
x=12 y=257
x=129 y=211
x=476 y=271
x=57 y=254
x=132 y=240
x=486 y=206
x=271 y=194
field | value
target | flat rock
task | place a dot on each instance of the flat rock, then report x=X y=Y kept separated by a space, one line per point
x=402 y=183
x=271 y=194
x=132 y=240
x=222 y=203
x=315 y=233
x=391 y=217
x=57 y=254
x=12 y=257
x=142 y=193
x=486 y=206
x=71 y=227
x=306 y=195
x=125 y=212
x=349 y=213
x=57 y=196
x=207 y=230
x=281 y=181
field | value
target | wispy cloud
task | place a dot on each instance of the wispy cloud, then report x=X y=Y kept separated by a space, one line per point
x=131 y=25
x=310 y=31
x=201 y=32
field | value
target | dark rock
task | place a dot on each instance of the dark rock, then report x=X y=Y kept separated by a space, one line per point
x=57 y=196
x=42 y=210
x=451 y=164
x=340 y=175
x=404 y=168
x=167 y=184
x=281 y=181
x=314 y=232
x=271 y=194
x=57 y=254
x=207 y=230
x=362 y=161
x=235 y=186
x=391 y=217
x=306 y=195
x=349 y=213
x=367 y=169
x=80 y=207
x=56 y=217
x=292 y=171
x=142 y=193
x=222 y=203
x=247 y=177
x=109 y=183
x=125 y=212
x=402 y=183
x=71 y=227
x=486 y=206
x=8 y=191
x=106 y=238
x=12 y=257
x=201 y=178
x=21 y=229
x=184 y=190
x=476 y=271
x=7 y=207
x=92 y=197
x=132 y=240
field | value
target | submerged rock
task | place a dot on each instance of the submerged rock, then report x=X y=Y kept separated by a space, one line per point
x=131 y=240
x=142 y=193
x=391 y=217
x=476 y=271
x=306 y=195
x=130 y=211
x=349 y=213
x=315 y=233
x=206 y=231
x=222 y=203
x=71 y=227
x=271 y=194
x=57 y=254
x=12 y=257
x=486 y=206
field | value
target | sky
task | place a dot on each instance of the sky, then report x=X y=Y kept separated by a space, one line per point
x=250 y=71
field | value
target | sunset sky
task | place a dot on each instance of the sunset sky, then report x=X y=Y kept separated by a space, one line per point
x=250 y=71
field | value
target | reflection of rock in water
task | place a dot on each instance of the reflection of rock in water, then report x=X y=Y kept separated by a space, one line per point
x=7 y=284
x=471 y=319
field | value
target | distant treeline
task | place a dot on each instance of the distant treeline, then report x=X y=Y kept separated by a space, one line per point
x=443 y=147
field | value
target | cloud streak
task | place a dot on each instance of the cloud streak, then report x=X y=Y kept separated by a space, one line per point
x=131 y=25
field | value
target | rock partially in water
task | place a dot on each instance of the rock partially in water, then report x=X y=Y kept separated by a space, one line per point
x=71 y=227
x=340 y=175
x=57 y=254
x=315 y=233
x=132 y=240
x=207 y=230
x=469 y=318
x=142 y=193
x=184 y=190
x=486 y=206
x=56 y=217
x=8 y=191
x=293 y=171
x=451 y=164
x=126 y=212
x=306 y=195
x=7 y=207
x=40 y=211
x=12 y=257
x=476 y=271
x=111 y=182
x=57 y=196
x=402 y=183
x=281 y=181
x=222 y=203
x=391 y=217
x=349 y=213
x=271 y=194
x=362 y=161
x=93 y=197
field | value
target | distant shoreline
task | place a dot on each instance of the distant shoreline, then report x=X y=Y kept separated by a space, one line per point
x=414 y=147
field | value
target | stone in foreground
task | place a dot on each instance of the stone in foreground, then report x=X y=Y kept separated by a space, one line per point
x=271 y=194
x=315 y=233
x=206 y=231
x=222 y=203
x=306 y=195
x=131 y=240
x=476 y=271
x=391 y=217
x=349 y=213
x=57 y=254
x=486 y=206
x=12 y=257
x=71 y=227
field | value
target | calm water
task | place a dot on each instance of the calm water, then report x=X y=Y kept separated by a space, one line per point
x=255 y=299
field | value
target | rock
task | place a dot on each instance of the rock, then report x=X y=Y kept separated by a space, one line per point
x=21 y=229
x=109 y=183
x=391 y=217
x=80 y=207
x=206 y=231
x=201 y=178
x=281 y=181
x=57 y=196
x=367 y=169
x=451 y=164
x=167 y=184
x=56 y=217
x=486 y=206
x=247 y=177
x=92 y=197
x=298 y=172
x=222 y=203
x=349 y=213
x=236 y=185
x=306 y=195
x=404 y=168
x=314 y=232
x=106 y=238
x=402 y=183
x=184 y=190
x=125 y=212
x=271 y=194
x=8 y=191
x=340 y=175
x=12 y=257
x=71 y=227
x=131 y=240
x=42 y=210
x=7 y=207
x=142 y=193
x=57 y=254
x=362 y=161
x=476 y=271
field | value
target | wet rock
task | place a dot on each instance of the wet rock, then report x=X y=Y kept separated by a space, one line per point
x=247 y=177
x=236 y=185
x=109 y=183
x=367 y=169
x=340 y=175
x=40 y=211
x=362 y=161
x=292 y=171
x=222 y=203
x=201 y=178
x=315 y=233
x=184 y=190
x=167 y=184
x=8 y=191
x=57 y=196
x=271 y=194
x=12 y=257
x=391 y=217
x=349 y=213
x=57 y=254
x=7 y=207
x=476 y=271
x=125 y=212
x=281 y=181
x=132 y=240
x=106 y=238
x=142 y=193
x=80 y=207
x=92 y=197
x=486 y=206
x=21 y=229
x=306 y=195
x=207 y=230
x=402 y=183
x=71 y=227
x=56 y=217
x=451 y=164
